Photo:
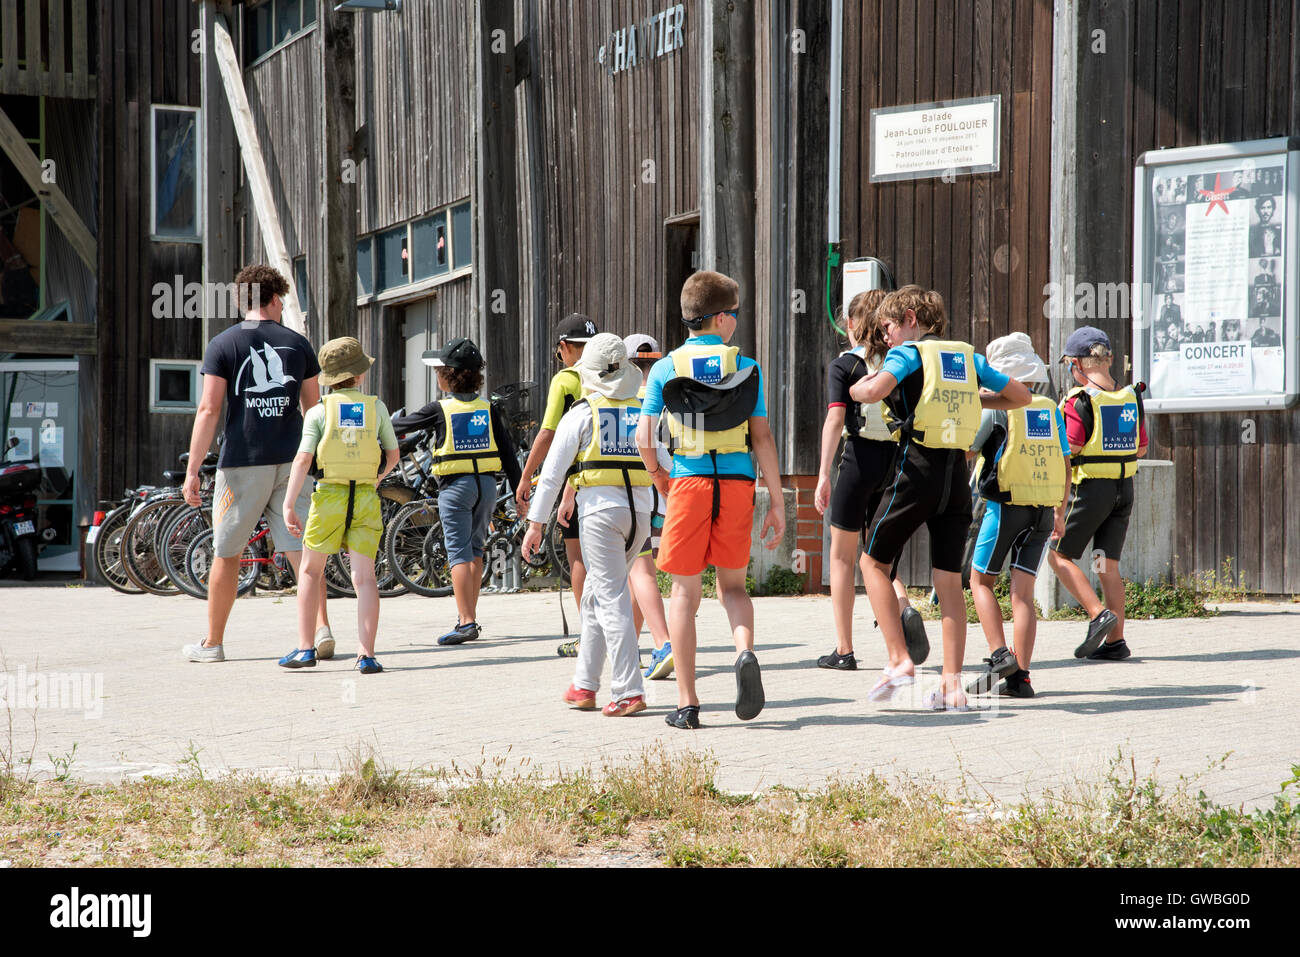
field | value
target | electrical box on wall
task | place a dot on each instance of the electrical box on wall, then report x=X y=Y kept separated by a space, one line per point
x=861 y=275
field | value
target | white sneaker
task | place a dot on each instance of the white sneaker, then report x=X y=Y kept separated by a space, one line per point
x=203 y=654
x=324 y=642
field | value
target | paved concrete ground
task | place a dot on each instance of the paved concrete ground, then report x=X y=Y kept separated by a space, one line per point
x=1195 y=690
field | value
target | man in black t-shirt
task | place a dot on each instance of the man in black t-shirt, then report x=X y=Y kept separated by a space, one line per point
x=266 y=375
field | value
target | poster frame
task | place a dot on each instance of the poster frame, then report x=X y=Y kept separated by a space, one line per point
x=1144 y=247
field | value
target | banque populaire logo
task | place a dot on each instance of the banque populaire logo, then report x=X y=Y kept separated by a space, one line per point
x=954 y=366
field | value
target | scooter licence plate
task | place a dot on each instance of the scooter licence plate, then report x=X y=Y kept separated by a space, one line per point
x=25 y=528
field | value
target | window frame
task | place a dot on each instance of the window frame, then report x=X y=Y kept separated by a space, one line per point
x=200 y=174
x=412 y=286
x=193 y=366
x=276 y=46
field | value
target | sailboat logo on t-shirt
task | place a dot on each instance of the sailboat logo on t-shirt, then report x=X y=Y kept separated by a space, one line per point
x=267 y=371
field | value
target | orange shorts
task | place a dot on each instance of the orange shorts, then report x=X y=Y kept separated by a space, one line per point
x=693 y=539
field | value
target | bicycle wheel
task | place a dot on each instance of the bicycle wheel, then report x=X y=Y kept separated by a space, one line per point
x=338 y=578
x=416 y=555
x=107 y=553
x=391 y=500
x=139 y=550
x=559 y=555
x=198 y=564
x=179 y=530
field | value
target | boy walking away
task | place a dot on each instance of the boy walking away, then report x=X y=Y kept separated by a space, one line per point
x=931 y=387
x=595 y=447
x=347 y=433
x=266 y=374
x=648 y=605
x=712 y=401
x=1025 y=475
x=1107 y=433
x=471 y=445
x=571 y=335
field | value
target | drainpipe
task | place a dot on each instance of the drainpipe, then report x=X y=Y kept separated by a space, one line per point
x=833 y=166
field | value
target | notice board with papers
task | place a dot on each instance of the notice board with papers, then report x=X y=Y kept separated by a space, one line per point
x=1215 y=276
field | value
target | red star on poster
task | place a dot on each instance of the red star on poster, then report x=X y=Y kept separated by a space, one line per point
x=1217 y=195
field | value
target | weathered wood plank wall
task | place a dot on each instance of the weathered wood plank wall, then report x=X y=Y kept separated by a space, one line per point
x=623 y=150
x=146 y=51
x=1206 y=72
x=981 y=240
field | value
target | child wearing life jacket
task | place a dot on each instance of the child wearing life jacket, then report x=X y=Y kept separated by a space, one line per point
x=1024 y=476
x=595 y=449
x=348 y=434
x=1105 y=425
x=571 y=335
x=931 y=387
x=711 y=401
x=870 y=450
x=471 y=445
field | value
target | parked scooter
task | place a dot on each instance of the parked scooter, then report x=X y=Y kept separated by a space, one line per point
x=18 y=484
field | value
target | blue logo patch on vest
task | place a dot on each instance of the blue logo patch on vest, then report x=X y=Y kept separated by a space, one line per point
x=1119 y=427
x=469 y=431
x=618 y=431
x=1038 y=423
x=707 y=369
x=352 y=415
x=953 y=366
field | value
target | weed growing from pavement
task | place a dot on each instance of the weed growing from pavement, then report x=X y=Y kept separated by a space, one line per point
x=660 y=808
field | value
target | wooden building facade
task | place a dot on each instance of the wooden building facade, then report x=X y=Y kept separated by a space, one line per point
x=517 y=160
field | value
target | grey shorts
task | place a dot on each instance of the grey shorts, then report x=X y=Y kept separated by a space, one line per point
x=465 y=505
x=245 y=494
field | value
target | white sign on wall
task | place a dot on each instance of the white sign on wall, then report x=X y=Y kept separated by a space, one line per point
x=928 y=140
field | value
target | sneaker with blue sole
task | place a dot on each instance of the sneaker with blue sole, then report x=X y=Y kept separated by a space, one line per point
x=661 y=663
x=299 y=658
x=460 y=634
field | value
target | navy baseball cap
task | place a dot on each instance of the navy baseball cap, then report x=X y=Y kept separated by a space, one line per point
x=575 y=328
x=457 y=354
x=1082 y=341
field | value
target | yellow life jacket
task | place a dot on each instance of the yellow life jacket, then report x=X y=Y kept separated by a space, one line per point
x=349 y=447
x=874 y=428
x=1032 y=469
x=1111 y=449
x=706 y=363
x=611 y=457
x=947 y=414
x=468 y=444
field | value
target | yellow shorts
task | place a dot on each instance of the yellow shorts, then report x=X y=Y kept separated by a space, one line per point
x=324 y=531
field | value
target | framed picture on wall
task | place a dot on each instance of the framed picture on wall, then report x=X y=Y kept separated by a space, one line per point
x=1215 y=294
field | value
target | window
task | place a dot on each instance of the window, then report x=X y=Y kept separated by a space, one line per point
x=177 y=149
x=425 y=249
x=462 y=243
x=392 y=258
x=173 y=385
x=272 y=24
x=365 y=267
x=431 y=245
x=300 y=285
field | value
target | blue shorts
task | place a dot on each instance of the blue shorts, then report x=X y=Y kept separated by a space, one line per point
x=1021 y=530
x=465 y=506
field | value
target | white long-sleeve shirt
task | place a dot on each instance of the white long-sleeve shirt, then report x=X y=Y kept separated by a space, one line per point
x=572 y=435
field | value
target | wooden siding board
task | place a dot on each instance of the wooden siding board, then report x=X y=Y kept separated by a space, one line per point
x=81 y=48
x=57 y=77
x=9 y=73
